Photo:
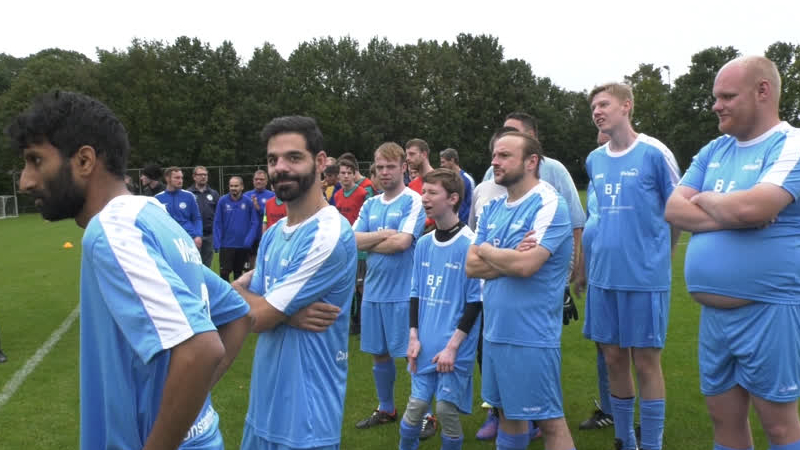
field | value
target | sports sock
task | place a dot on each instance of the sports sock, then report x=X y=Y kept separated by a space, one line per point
x=793 y=446
x=651 y=413
x=722 y=447
x=449 y=443
x=507 y=441
x=409 y=436
x=622 y=410
x=384 y=373
x=602 y=383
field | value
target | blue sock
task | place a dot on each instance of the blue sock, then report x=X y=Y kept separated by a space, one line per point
x=793 y=446
x=651 y=413
x=622 y=410
x=602 y=383
x=409 y=436
x=722 y=447
x=507 y=441
x=449 y=443
x=384 y=382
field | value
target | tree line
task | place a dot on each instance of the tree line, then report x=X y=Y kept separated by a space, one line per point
x=186 y=103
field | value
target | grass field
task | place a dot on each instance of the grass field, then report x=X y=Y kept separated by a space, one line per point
x=39 y=289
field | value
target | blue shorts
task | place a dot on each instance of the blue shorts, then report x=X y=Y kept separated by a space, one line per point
x=252 y=441
x=454 y=387
x=210 y=441
x=384 y=328
x=626 y=318
x=525 y=382
x=756 y=346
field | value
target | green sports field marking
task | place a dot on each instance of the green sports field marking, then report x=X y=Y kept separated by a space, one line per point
x=19 y=377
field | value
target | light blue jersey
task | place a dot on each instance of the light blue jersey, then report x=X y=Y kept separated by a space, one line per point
x=441 y=284
x=226 y=305
x=142 y=293
x=388 y=277
x=552 y=171
x=631 y=251
x=527 y=311
x=753 y=264
x=299 y=377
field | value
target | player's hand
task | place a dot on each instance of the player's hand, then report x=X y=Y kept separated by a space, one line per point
x=316 y=317
x=243 y=282
x=570 y=310
x=445 y=360
x=528 y=242
x=413 y=351
x=256 y=205
x=198 y=241
x=767 y=224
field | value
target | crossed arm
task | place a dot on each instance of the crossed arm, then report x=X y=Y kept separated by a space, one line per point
x=383 y=241
x=488 y=262
x=696 y=211
x=316 y=317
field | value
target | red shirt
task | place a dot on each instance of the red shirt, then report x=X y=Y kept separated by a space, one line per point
x=367 y=185
x=349 y=204
x=274 y=210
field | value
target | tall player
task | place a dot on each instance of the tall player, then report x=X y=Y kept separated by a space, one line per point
x=306 y=259
x=739 y=197
x=149 y=351
x=629 y=271
x=522 y=296
x=388 y=226
x=445 y=305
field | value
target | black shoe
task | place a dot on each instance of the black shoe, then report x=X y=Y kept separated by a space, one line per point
x=618 y=444
x=598 y=420
x=3 y=357
x=377 y=418
x=428 y=427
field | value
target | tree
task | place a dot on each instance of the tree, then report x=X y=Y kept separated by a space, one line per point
x=787 y=58
x=690 y=116
x=651 y=101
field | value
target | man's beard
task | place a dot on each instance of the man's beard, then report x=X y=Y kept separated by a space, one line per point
x=508 y=179
x=291 y=192
x=61 y=198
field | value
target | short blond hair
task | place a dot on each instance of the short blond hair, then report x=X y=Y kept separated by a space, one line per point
x=391 y=150
x=621 y=91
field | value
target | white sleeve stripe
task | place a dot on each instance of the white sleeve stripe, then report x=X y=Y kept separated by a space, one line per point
x=141 y=270
x=669 y=157
x=546 y=214
x=325 y=240
x=786 y=162
x=413 y=215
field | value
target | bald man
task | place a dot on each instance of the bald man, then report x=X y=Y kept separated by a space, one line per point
x=739 y=198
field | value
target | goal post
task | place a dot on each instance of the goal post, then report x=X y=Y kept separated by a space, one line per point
x=8 y=206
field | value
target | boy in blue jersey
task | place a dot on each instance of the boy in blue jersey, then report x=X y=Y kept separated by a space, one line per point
x=149 y=350
x=522 y=296
x=229 y=314
x=449 y=160
x=739 y=198
x=629 y=271
x=308 y=258
x=236 y=224
x=445 y=305
x=387 y=227
x=181 y=204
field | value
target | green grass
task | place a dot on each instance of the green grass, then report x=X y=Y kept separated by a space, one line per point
x=40 y=287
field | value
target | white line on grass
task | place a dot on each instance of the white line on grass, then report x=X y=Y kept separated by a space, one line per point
x=19 y=377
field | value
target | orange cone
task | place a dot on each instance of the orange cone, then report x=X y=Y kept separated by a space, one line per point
x=68 y=244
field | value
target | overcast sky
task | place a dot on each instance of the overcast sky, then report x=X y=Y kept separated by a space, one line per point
x=576 y=44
